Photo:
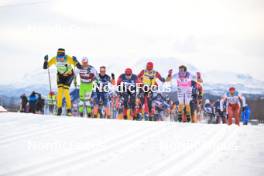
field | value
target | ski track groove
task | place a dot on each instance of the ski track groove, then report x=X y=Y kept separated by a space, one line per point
x=22 y=119
x=20 y=123
x=200 y=157
x=33 y=133
x=20 y=133
x=98 y=155
x=187 y=165
x=23 y=130
x=71 y=158
x=172 y=160
x=154 y=163
x=227 y=139
x=120 y=150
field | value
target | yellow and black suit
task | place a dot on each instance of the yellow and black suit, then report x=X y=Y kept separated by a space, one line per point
x=65 y=76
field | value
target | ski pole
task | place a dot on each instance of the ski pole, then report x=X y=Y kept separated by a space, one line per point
x=50 y=88
x=49 y=79
x=46 y=58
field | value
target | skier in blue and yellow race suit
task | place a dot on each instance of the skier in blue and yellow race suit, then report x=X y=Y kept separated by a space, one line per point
x=65 y=76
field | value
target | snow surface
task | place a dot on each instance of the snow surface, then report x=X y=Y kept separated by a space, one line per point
x=48 y=145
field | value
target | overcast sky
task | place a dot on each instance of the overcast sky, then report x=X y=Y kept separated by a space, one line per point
x=222 y=35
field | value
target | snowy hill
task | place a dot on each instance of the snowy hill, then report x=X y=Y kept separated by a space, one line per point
x=216 y=81
x=47 y=145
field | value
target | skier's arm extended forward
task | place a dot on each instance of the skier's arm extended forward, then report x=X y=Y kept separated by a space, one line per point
x=158 y=75
x=49 y=63
x=73 y=60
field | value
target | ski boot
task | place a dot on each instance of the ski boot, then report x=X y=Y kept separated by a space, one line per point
x=180 y=117
x=89 y=111
x=95 y=116
x=146 y=117
x=69 y=113
x=81 y=114
x=188 y=118
x=89 y=115
x=139 y=117
x=59 y=111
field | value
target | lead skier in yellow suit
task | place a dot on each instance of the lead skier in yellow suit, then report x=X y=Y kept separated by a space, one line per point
x=65 y=76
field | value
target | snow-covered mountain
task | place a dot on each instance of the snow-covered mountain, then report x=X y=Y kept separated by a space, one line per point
x=215 y=82
x=33 y=81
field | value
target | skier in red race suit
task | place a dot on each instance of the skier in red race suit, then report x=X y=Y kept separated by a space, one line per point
x=233 y=98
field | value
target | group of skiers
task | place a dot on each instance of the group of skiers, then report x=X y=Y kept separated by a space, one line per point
x=34 y=103
x=136 y=96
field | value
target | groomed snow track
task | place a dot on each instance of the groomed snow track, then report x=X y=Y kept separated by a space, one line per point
x=49 y=145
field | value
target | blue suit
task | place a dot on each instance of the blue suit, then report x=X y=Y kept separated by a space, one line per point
x=245 y=115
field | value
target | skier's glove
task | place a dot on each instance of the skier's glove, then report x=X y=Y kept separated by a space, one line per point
x=76 y=62
x=162 y=80
x=113 y=76
x=45 y=65
x=74 y=59
x=46 y=58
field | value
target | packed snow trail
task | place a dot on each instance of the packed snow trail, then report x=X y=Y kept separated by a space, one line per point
x=50 y=145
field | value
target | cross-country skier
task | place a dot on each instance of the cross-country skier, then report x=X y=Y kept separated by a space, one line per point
x=199 y=87
x=195 y=102
x=23 y=103
x=87 y=76
x=32 y=100
x=65 y=76
x=40 y=104
x=245 y=115
x=209 y=111
x=220 y=116
x=102 y=91
x=184 y=91
x=128 y=81
x=149 y=77
x=160 y=107
x=233 y=98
